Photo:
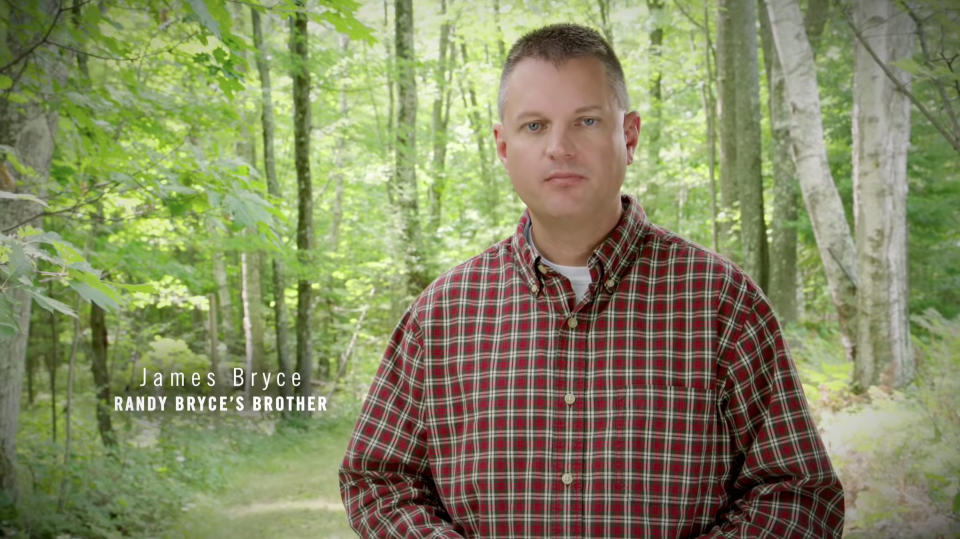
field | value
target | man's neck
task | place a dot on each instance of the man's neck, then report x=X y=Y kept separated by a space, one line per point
x=570 y=243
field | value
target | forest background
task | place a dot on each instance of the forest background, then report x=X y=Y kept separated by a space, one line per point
x=201 y=184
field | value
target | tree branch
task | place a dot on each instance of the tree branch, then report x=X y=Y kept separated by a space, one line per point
x=46 y=35
x=941 y=91
x=953 y=140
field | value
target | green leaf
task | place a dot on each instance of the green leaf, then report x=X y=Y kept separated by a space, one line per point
x=93 y=289
x=199 y=8
x=5 y=82
x=145 y=288
x=51 y=304
x=20 y=264
x=956 y=503
x=95 y=295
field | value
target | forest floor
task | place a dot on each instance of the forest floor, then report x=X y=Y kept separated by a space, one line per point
x=290 y=493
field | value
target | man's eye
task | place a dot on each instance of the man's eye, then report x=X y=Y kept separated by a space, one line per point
x=589 y=122
x=533 y=126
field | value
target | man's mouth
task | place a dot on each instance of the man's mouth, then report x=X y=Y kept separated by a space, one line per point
x=564 y=178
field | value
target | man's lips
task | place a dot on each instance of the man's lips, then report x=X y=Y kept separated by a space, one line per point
x=564 y=177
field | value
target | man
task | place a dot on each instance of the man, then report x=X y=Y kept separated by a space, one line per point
x=593 y=375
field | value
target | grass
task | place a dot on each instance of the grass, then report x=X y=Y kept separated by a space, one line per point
x=287 y=488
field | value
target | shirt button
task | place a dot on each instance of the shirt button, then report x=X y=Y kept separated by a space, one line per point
x=610 y=284
x=569 y=398
x=542 y=268
x=567 y=478
x=534 y=288
x=571 y=322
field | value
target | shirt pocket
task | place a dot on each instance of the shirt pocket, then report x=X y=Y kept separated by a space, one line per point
x=669 y=446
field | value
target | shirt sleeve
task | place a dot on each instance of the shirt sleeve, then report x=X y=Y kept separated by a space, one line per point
x=385 y=478
x=786 y=485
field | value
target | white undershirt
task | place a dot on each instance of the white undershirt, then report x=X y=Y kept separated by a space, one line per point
x=579 y=276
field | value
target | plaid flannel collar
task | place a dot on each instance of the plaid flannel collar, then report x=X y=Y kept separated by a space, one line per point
x=610 y=261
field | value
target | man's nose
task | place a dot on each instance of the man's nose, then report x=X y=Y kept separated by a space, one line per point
x=560 y=144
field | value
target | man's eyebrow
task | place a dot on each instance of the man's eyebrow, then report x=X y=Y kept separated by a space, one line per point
x=538 y=114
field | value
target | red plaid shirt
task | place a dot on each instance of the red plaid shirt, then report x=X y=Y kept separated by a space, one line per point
x=663 y=404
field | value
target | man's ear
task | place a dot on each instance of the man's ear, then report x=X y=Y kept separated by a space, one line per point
x=500 y=142
x=631 y=133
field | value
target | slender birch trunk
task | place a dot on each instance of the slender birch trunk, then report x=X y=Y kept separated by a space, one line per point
x=881 y=138
x=820 y=196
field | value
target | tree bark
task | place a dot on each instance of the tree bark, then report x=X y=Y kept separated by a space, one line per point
x=441 y=115
x=339 y=160
x=301 y=128
x=726 y=103
x=469 y=95
x=224 y=301
x=247 y=325
x=273 y=188
x=214 y=339
x=101 y=376
x=29 y=129
x=814 y=21
x=405 y=178
x=753 y=229
x=783 y=247
x=53 y=362
x=881 y=138
x=655 y=124
x=68 y=412
x=709 y=102
x=605 y=25
x=834 y=241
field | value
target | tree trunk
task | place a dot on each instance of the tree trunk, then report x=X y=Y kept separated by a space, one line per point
x=605 y=25
x=753 y=229
x=53 y=362
x=247 y=325
x=814 y=20
x=501 y=46
x=301 y=129
x=214 y=339
x=273 y=188
x=709 y=102
x=837 y=251
x=29 y=129
x=654 y=125
x=68 y=412
x=339 y=160
x=101 y=376
x=224 y=301
x=469 y=95
x=405 y=178
x=441 y=114
x=390 y=76
x=881 y=138
x=727 y=96
x=783 y=247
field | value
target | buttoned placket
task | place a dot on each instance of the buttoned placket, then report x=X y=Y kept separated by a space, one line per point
x=573 y=327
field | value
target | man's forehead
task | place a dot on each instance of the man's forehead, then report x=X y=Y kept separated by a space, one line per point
x=534 y=99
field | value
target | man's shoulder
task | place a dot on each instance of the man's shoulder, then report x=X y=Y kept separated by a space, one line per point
x=665 y=246
x=474 y=274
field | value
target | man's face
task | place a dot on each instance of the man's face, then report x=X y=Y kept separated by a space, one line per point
x=564 y=140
